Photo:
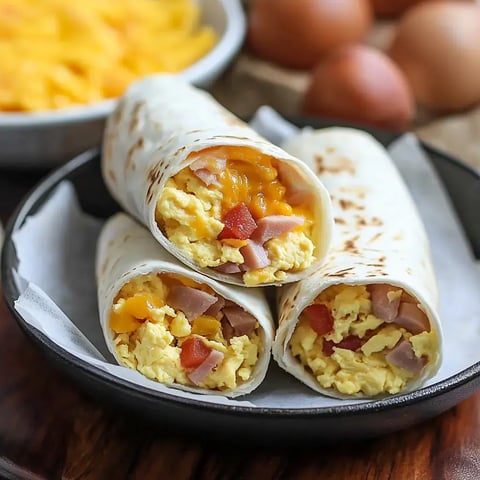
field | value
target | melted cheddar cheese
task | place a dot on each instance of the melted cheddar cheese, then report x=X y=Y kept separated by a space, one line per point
x=190 y=214
x=148 y=335
x=366 y=370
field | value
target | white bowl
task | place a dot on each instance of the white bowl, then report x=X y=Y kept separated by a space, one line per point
x=48 y=138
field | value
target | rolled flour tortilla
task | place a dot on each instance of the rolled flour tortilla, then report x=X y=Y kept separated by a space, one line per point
x=215 y=194
x=175 y=325
x=365 y=323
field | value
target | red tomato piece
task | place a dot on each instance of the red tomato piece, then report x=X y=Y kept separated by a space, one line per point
x=352 y=342
x=238 y=222
x=320 y=318
x=194 y=352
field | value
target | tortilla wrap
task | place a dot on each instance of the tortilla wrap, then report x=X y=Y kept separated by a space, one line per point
x=379 y=241
x=129 y=264
x=161 y=130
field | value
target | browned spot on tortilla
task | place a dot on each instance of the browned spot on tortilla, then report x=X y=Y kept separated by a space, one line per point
x=361 y=222
x=135 y=120
x=375 y=237
x=331 y=149
x=152 y=178
x=398 y=236
x=349 y=204
x=340 y=273
x=319 y=163
x=130 y=164
x=349 y=245
x=118 y=112
x=377 y=221
x=194 y=131
x=111 y=175
x=179 y=151
x=382 y=259
x=339 y=221
x=335 y=166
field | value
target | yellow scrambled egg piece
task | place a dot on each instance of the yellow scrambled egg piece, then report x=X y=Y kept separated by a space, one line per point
x=59 y=53
x=366 y=370
x=190 y=215
x=154 y=348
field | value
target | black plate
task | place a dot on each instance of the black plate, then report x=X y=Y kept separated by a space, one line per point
x=257 y=425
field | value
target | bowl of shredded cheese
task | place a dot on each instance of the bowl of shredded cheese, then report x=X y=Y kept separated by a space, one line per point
x=64 y=63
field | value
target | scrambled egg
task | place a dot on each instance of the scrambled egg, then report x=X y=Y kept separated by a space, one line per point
x=190 y=213
x=366 y=370
x=154 y=347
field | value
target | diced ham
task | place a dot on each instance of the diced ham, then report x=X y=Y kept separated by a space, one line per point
x=207 y=177
x=274 y=226
x=403 y=356
x=242 y=322
x=213 y=360
x=191 y=301
x=215 y=165
x=299 y=197
x=227 y=329
x=412 y=318
x=254 y=256
x=216 y=307
x=382 y=306
x=228 y=267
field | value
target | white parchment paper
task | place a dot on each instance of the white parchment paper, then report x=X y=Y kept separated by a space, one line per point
x=56 y=251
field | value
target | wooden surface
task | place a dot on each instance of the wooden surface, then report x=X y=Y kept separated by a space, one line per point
x=50 y=430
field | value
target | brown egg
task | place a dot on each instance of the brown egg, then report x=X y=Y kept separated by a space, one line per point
x=296 y=33
x=390 y=8
x=362 y=85
x=437 y=45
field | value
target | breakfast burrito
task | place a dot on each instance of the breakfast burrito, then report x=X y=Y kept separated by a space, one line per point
x=365 y=323
x=215 y=194
x=174 y=325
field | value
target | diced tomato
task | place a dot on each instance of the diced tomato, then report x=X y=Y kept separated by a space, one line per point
x=320 y=318
x=194 y=352
x=238 y=222
x=352 y=342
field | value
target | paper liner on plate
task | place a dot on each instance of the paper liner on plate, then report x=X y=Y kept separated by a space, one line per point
x=158 y=126
x=127 y=250
x=379 y=237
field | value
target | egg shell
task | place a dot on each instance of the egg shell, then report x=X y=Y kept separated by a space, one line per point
x=298 y=33
x=437 y=46
x=362 y=85
x=393 y=7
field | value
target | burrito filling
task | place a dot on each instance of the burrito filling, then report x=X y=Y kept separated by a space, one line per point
x=361 y=339
x=174 y=330
x=238 y=217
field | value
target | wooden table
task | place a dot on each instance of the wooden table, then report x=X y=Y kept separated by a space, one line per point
x=50 y=430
